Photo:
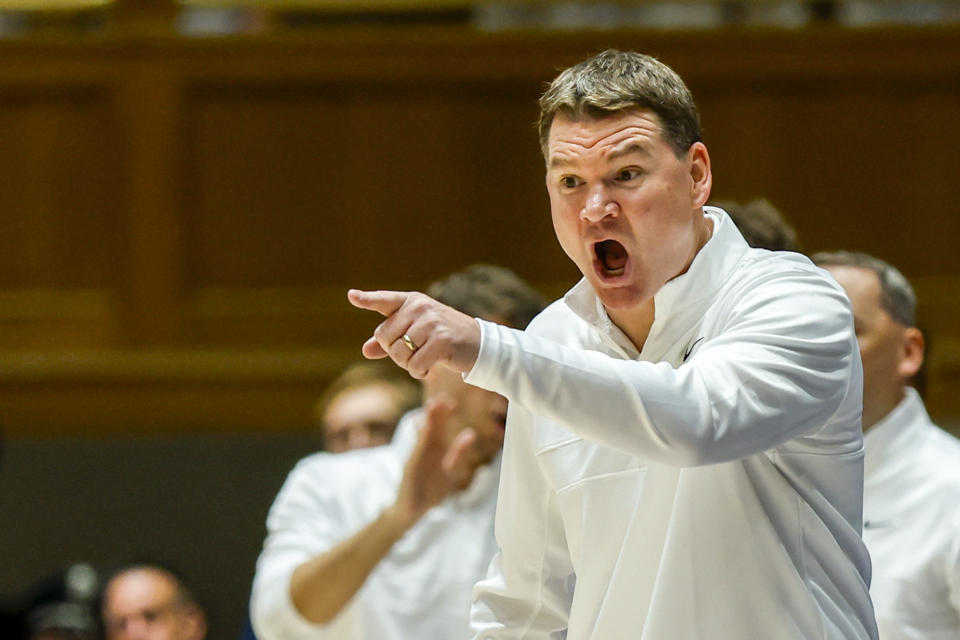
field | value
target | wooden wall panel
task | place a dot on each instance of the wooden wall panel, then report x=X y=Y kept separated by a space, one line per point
x=296 y=192
x=53 y=319
x=171 y=203
x=327 y=184
x=61 y=245
x=57 y=158
x=855 y=165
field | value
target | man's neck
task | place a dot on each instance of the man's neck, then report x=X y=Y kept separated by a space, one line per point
x=880 y=413
x=635 y=323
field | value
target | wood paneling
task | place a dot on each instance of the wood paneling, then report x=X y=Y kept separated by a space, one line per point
x=382 y=171
x=192 y=211
x=164 y=390
x=58 y=163
x=57 y=318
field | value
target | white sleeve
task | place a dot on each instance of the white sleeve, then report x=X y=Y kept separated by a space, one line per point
x=529 y=585
x=780 y=367
x=298 y=528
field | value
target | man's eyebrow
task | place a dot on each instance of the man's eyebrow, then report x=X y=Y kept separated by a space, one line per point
x=633 y=147
x=559 y=161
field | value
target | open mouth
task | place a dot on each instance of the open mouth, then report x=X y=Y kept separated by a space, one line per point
x=612 y=257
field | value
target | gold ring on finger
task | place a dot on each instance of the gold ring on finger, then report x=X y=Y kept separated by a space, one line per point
x=407 y=340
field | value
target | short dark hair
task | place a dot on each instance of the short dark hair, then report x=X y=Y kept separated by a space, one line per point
x=761 y=224
x=616 y=81
x=491 y=292
x=896 y=295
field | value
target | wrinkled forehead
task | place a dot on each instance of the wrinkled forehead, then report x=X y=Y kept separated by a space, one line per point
x=636 y=130
x=585 y=113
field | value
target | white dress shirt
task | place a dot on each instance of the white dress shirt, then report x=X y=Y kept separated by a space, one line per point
x=911 y=524
x=706 y=487
x=421 y=590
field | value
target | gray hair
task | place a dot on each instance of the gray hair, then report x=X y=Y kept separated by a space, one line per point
x=896 y=295
x=616 y=81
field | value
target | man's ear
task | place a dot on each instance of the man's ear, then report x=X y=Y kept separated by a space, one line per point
x=196 y=624
x=700 y=173
x=911 y=353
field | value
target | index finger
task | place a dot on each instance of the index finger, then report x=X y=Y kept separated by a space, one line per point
x=383 y=302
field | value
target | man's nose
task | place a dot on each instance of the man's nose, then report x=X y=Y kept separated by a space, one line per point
x=599 y=205
x=136 y=628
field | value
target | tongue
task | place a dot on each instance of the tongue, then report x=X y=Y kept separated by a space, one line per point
x=614 y=255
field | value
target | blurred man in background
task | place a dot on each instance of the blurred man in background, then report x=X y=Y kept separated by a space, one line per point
x=150 y=602
x=362 y=406
x=386 y=543
x=911 y=509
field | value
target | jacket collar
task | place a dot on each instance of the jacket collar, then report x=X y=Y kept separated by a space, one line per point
x=887 y=441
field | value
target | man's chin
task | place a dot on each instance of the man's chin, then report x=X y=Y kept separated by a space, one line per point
x=623 y=297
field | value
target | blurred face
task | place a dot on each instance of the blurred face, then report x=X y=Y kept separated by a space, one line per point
x=483 y=411
x=144 y=604
x=360 y=417
x=887 y=348
x=625 y=209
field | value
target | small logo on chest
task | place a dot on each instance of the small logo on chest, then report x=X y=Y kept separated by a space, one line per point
x=689 y=351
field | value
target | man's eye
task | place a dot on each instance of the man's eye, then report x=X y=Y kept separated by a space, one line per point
x=626 y=175
x=380 y=428
x=568 y=182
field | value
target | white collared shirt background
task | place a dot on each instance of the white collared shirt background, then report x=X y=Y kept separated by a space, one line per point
x=911 y=516
x=420 y=590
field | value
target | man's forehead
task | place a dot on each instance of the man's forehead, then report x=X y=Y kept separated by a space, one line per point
x=618 y=134
x=863 y=276
x=861 y=284
x=359 y=405
x=141 y=583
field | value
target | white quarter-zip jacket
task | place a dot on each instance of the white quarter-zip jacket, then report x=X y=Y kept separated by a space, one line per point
x=708 y=487
x=911 y=524
x=420 y=590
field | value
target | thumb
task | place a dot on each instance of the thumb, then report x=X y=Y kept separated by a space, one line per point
x=383 y=302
